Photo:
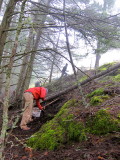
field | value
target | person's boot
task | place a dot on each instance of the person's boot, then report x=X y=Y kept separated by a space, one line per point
x=31 y=120
x=25 y=128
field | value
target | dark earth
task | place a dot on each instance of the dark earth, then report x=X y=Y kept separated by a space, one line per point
x=95 y=148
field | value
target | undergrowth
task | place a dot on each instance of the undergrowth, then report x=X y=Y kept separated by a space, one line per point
x=66 y=128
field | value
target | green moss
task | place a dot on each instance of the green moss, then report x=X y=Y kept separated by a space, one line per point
x=75 y=130
x=71 y=103
x=62 y=129
x=97 y=96
x=97 y=92
x=96 y=100
x=83 y=78
x=109 y=85
x=106 y=66
x=50 y=137
x=102 y=123
x=116 y=78
x=118 y=115
x=106 y=79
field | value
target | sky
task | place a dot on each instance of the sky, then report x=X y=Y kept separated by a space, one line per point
x=89 y=61
x=110 y=56
x=117 y=3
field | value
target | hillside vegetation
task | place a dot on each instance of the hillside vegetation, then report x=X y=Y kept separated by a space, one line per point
x=74 y=122
x=72 y=130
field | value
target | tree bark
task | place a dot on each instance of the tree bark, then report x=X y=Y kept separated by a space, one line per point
x=5 y=24
x=67 y=40
x=98 y=56
x=54 y=56
x=23 y=71
x=51 y=71
x=7 y=85
x=1 y=1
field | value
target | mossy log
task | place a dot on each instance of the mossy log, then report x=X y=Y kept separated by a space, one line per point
x=108 y=71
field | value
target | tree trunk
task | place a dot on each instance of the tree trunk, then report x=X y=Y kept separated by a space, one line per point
x=51 y=71
x=1 y=2
x=98 y=56
x=55 y=47
x=67 y=40
x=5 y=24
x=23 y=71
x=2 y=75
x=27 y=64
x=71 y=60
x=7 y=85
x=30 y=65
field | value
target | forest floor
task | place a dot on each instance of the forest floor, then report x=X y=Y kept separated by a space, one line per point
x=95 y=148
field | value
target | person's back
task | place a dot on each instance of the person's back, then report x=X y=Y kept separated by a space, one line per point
x=38 y=92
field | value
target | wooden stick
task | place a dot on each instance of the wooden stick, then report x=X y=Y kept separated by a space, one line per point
x=51 y=102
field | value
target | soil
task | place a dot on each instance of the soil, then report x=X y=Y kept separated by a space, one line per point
x=95 y=148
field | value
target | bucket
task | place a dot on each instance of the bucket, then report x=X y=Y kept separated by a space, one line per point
x=36 y=112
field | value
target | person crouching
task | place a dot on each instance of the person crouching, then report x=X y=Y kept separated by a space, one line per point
x=30 y=95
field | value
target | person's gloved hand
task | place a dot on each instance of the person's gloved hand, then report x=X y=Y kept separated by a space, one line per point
x=44 y=107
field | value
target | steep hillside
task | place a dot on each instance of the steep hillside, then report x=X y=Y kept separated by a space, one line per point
x=75 y=126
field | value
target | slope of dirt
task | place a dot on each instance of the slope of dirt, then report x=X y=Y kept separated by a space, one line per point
x=95 y=148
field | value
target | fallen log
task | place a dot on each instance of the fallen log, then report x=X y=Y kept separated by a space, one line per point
x=108 y=71
x=111 y=91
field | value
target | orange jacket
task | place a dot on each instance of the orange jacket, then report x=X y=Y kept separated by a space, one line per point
x=38 y=93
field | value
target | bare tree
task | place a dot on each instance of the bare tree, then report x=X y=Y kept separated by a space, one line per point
x=7 y=85
x=1 y=1
x=5 y=24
